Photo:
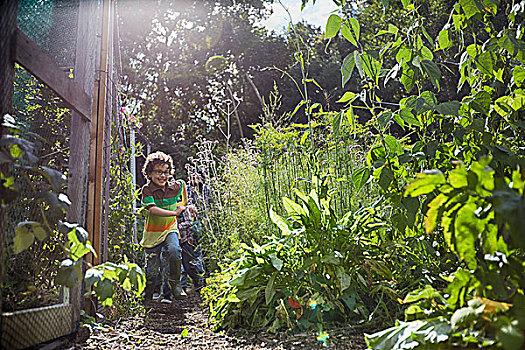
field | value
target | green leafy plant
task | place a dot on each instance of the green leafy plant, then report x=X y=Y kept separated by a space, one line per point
x=76 y=246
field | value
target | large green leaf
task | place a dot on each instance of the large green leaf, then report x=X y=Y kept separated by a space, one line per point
x=333 y=24
x=503 y=105
x=314 y=209
x=384 y=177
x=408 y=335
x=467 y=229
x=425 y=183
x=384 y=119
x=347 y=96
x=408 y=77
x=25 y=234
x=343 y=279
x=360 y=177
x=347 y=67
x=78 y=248
x=371 y=66
x=484 y=63
x=269 y=291
x=469 y=7
x=408 y=117
x=24 y=237
x=293 y=209
x=351 y=31
x=435 y=209
x=393 y=145
x=463 y=281
x=519 y=75
x=69 y=273
x=280 y=222
x=433 y=71
x=458 y=177
x=443 y=40
x=392 y=29
x=428 y=293
x=449 y=108
x=137 y=278
x=481 y=102
x=104 y=289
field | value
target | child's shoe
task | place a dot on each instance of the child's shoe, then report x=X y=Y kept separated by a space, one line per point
x=166 y=301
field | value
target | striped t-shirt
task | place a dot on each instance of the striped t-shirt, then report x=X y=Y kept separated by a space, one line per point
x=157 y=227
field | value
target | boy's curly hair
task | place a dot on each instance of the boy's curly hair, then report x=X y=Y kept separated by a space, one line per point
x=154 y=159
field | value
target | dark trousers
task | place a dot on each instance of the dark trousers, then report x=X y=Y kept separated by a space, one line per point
x=172 y=252
x=193 y=265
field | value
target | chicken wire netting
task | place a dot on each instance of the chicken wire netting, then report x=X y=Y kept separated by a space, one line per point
x=44 y=120
x=52 y=25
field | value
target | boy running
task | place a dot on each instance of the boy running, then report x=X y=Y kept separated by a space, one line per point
x=164 y=199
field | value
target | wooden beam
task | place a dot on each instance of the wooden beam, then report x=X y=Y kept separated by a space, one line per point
x=32 y=58
x=87 y=51
x=95 y=178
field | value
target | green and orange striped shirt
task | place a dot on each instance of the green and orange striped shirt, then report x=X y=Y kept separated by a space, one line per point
x=157 y=227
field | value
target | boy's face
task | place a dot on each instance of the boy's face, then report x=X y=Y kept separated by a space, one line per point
x=160 y=174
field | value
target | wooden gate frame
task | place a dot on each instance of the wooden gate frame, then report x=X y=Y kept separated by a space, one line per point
x=86 y=95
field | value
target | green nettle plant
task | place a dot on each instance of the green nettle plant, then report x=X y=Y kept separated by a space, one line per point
x=18 y=154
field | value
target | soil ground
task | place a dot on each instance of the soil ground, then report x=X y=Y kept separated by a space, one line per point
x=163 y=325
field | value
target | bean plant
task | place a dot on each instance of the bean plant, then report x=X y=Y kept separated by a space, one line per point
x=421 y=220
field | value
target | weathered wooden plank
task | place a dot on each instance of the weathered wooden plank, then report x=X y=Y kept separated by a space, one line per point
x=32 y=58
x=95 y=178
x=111 y=101
x=87 y=53
x=22 y=329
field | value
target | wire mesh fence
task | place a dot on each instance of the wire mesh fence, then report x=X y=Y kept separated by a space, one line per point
x=52 y=25
x=35 y=309
x=29 y=279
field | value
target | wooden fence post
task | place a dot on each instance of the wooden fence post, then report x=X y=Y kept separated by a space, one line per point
x=95 y=183
x=87 y=53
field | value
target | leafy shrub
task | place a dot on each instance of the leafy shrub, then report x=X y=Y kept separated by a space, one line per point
x=318 y=269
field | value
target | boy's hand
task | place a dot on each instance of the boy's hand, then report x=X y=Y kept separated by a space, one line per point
x=180 y=209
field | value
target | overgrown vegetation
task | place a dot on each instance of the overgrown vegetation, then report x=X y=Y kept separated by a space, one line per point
x=397 y=201
x=439 y=226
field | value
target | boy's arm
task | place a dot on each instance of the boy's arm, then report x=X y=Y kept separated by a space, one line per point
x=184 y=193
x=154 y=210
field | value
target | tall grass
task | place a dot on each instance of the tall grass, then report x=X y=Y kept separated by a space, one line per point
x=253 y=178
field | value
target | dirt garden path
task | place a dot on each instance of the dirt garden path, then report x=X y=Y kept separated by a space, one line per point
x=162 y=327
